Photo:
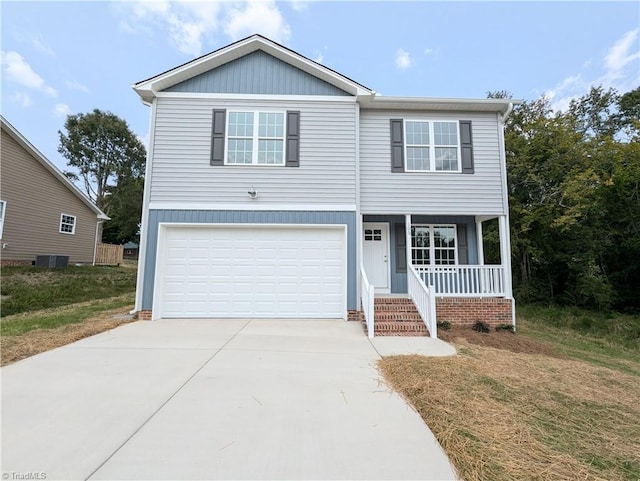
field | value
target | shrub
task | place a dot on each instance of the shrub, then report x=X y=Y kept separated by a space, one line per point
x=481 y=326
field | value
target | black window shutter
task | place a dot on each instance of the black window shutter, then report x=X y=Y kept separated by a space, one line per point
x=397 y=146
x=217 y=137
x=401 y=248
x=293 y=139
x=466 y=144
x=463 y=251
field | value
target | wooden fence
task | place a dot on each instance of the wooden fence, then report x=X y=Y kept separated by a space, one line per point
x=109 y=255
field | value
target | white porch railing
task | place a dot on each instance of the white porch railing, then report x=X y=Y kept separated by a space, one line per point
x=368 y=302
x=424 y=299
x=464 y=281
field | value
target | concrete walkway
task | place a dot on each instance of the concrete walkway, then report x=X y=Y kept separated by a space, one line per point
x=223 y=399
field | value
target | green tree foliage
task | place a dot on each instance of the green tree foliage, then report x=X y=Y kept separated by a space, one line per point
x=574 y=191
x=108 y=159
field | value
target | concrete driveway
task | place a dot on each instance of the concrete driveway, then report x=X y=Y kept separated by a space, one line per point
x=223 y=399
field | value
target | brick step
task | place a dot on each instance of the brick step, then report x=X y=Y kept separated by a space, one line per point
x=392 y=301
x=397 y=316
x=395 y=307
x=399 y=329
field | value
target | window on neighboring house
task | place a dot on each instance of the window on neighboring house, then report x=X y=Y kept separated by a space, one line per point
x=433 y=245
x=432 y=146
x=67 y=224
x=3 y=208
x=255 y=138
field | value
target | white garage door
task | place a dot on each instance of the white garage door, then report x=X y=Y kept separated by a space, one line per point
x=251 y=271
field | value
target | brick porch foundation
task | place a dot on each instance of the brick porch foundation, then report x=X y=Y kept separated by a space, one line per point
x=465 y=311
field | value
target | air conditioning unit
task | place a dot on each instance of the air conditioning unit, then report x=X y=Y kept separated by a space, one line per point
x=52 y=261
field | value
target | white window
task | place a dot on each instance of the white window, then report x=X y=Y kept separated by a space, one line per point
x=3 y=208
x=432 y=146
x=67 y=224
x=433 y=245
x=255 y=138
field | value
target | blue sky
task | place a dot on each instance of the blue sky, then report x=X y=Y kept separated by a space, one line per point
x=72 y=57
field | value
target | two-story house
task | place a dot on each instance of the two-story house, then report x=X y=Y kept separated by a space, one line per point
x=279 y=188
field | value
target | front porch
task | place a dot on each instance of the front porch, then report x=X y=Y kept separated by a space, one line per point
x=438 y=263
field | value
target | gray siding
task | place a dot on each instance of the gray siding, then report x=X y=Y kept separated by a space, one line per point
x=248 y=217
x=35 y=199
x=385 y=192
x=399 y=279
x=181 y=172
x=257 y=73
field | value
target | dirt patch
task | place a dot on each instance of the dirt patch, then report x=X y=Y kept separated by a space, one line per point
x=506 y=340
x=15 y=348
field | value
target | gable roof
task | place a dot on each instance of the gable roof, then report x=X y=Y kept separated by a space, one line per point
x=147 y=88
x=47 y=164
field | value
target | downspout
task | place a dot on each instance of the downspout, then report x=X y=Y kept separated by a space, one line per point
x=359 y=240
x=507 y=230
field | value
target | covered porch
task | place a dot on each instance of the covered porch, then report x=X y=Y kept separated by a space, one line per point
x=438 y=262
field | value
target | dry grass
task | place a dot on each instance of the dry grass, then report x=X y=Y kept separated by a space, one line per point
x=21 y=346
x=504 y=415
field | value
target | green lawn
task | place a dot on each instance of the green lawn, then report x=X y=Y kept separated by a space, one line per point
x=29 y=288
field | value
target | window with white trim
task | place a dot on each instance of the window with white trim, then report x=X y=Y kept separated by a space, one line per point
x=256 y=138
x=433 y=245
x=3 y=208
x=67 y=224
x=432 y=146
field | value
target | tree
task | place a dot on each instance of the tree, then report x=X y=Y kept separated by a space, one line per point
x=109 y=161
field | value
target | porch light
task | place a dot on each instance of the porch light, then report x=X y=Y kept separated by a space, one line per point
x=253 y=193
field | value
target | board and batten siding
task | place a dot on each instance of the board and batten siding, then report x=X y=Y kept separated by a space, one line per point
x=384 y=192
x=35 y=199
x=182 y=174
x=257 y=73
x=213 y=217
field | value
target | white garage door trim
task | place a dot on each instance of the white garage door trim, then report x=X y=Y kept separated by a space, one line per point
x=162 y=253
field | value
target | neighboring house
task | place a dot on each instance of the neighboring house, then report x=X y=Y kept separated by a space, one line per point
x=130 y=250
x=41 y=211
x=279 y=188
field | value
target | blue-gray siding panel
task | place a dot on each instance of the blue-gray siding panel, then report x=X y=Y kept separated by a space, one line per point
x=248 y=217
x=399 y=279
x=257 y=73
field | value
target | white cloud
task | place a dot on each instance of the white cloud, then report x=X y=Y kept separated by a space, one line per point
x=403 y=59
x=190 y=25
x=39 y=44
x=620 y=67
x=19 y=71
x=61 y=110
x=21 y=98
x=257 y=17
x=299 y=5
x=318 y=54
x=622 y=54
x=428 y=51
x=74 y=85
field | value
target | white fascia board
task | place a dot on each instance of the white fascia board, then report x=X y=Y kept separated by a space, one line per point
x=254 y=206
x=240 y=97
x=430 y=103
x=47 y=164
x=147 y=89
x=477 y=215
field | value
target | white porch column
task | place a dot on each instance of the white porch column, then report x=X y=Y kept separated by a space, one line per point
x=505 y=253
x=407 y=230
x=479 y=242
x=359 y=256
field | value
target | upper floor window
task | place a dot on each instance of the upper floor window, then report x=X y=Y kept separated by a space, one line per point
x=67 y=224
x=433 y=244
x=3 y=208
x=432 y=146
x=256 y=138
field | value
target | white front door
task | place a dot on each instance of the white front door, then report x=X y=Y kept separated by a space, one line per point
x=376 y=255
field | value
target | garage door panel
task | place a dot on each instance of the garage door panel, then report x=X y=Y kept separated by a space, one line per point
x=252 y=272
